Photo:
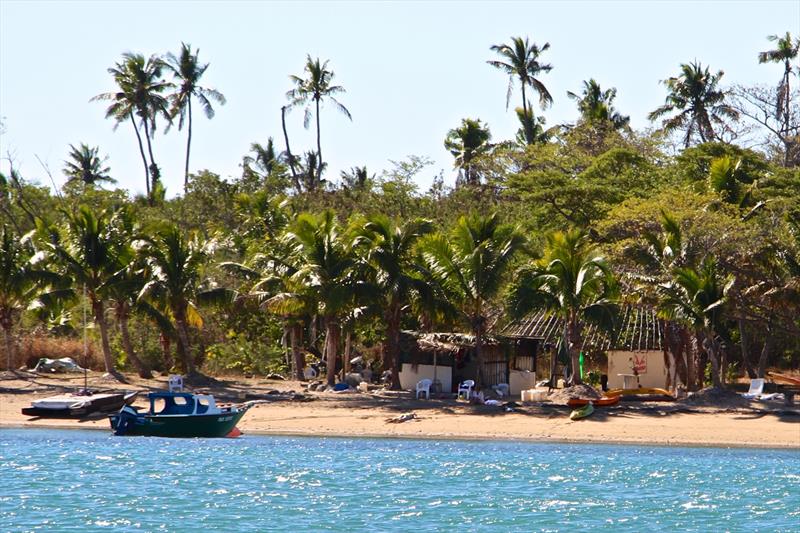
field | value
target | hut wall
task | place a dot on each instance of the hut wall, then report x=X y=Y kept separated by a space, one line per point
x=411 y=374
x=519 y=380
x=652 y=371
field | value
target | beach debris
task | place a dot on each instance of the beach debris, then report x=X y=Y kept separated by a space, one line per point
x=405 y=417
x=276 y=376
x=65 y=364
x=583 y=391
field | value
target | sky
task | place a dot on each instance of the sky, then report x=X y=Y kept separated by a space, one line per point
x=412 y=71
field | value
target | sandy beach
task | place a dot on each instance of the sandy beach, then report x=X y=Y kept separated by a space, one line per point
x=354 y=414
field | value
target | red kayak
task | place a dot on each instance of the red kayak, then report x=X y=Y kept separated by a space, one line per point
x=602 y=402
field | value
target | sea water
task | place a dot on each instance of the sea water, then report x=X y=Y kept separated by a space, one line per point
x=60 y=480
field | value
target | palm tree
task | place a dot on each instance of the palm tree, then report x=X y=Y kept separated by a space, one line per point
x=85 y=166
x=786 y=51
x=90 y=255
x=139 y=95
x=699 y=104
x=596 y=105
x=314 y=88
x=531 y=129
x=323 y=271
x=466 y=143
x=470 y=267
x=573 y=281
x=697 y=296
x=187 y=71
x=173 y=266
x=388 y=250
x=521 y=61
x=21 y=280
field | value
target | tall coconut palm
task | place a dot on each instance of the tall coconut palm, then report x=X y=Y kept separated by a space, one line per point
x=324 y=265
x=388 y=250
x=699 y=103
x=85 y=166
x=520 y=60
x=313 y=88
x=22 y=277
x=786 y=51
x=697 y=296
x=471 y=266
x=89 y=254
x=187 y=71
x=596 y=105
x=140 y=95
x=466 y=143
x=573 y=281
x=173 y=266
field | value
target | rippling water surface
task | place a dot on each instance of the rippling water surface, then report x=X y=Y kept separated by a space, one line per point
x=56 y=480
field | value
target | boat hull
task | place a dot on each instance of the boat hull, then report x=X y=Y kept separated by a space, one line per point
x=601 y=402
x=80 y=406
x=583 y=412
x=177 y=426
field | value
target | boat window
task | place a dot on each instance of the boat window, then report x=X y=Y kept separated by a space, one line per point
x=202 y=405
x=158 y=406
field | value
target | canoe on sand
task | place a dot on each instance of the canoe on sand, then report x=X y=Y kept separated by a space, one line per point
x=601 y=402
x=638 y=392
x=783 y=378
x=582 y=412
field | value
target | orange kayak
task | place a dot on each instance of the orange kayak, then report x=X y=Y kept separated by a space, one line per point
x=783 y=378
x=602 y=402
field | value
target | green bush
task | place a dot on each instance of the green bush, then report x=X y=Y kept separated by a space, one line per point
x=241 y=355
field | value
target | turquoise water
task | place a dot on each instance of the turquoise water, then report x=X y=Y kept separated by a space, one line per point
x=57 y=480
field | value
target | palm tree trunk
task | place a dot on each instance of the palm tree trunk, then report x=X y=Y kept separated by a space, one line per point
x=184 y=348
x=100 y=320
x=331 y=347
x=574 y=353
x=144 y=158
x=710 y=346
x=478 y=332
x=319 y=147
x=166 y=354
x=9 y=340
x=289 y=152
x=295 y=334
x=745 y=350
x=348 y=347
x=153 y=166
x=392 y=347
x=762 y=360
x=524 y=102
x=141 y=367
x=188 y=146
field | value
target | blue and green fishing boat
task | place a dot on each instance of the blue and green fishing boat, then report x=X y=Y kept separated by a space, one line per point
x=179 y=414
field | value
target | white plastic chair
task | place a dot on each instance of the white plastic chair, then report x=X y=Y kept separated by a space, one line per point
x=466 y=388
x=756 y=388
x=175 y=383
x=501 y=389
x=424 y=385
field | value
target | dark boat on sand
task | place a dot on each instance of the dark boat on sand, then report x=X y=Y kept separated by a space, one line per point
x=79 y=405
x=179 y=414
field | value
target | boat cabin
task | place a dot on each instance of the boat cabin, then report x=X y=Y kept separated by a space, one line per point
x=182 y=403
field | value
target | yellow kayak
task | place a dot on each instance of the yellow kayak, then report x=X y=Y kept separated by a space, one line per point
x=638 y=392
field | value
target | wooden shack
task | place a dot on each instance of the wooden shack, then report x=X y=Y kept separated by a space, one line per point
x=635 y=350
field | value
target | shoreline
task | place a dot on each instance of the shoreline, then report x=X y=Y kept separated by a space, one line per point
x=456 y=438
x=757 y=425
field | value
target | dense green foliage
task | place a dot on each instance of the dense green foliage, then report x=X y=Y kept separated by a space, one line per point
x=258 y=273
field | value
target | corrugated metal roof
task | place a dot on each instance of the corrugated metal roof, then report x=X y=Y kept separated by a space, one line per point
x=640 y=330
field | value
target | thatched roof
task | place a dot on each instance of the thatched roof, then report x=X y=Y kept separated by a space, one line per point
x=445 y=342
x=640 y=330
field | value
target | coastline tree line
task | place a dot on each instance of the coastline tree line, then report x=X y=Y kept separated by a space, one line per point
x=699 y=218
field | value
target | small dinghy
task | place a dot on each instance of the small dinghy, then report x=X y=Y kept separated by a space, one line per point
x=179 y=414
x=78 y=405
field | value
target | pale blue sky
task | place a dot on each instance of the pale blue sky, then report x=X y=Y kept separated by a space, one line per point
x=412 y=70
